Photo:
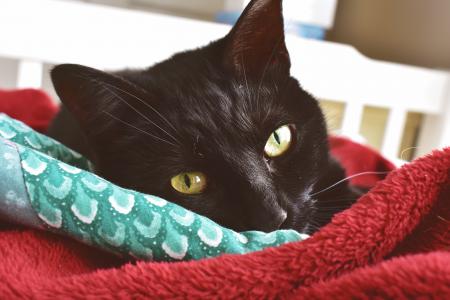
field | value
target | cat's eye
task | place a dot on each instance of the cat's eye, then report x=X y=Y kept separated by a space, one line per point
x=279 y=141
x=190 y=183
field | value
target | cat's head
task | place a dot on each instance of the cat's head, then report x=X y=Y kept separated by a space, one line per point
x=223 y=130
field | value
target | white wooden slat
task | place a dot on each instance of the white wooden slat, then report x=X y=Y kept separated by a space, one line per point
x=8 y=73
x=444 y=140
x=29 y=74
x=107 y=38
x=337 y=71
x=352 y=119
x=393 y=133
x=435 y=132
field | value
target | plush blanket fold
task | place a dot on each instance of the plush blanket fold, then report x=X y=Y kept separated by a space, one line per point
x=32 y=106
x=393 y=243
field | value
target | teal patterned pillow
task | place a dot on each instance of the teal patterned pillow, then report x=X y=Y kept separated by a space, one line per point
x=64 y=197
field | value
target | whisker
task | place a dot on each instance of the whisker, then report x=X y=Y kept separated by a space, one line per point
x=145 y=103
x=406 y=150
x=266 y=67
x=338 y=198
x=142 y=115
x=331 y=208
x=323 y=220
x=348 y=178
x=106 y=84
x=143 y=131
x=245 y=75
x=312 y=227
x=334 y=204
x=320 y=216
x=443 y=219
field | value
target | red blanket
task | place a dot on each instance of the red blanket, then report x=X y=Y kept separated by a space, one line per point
x=34 y=107
x=393 y=243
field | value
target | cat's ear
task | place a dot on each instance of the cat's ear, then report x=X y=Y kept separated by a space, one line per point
x=257 y=43
x=91 y=95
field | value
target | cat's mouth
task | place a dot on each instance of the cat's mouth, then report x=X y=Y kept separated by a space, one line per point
x=286 y=225
x=303 y=228
x=299 y=217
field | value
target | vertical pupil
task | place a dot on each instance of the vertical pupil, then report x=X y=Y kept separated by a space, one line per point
x=277 y=137
x=187 y=180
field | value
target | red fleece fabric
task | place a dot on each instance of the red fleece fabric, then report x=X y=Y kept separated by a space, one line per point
x=393 y=243
x=32 y=106
x=357 y=159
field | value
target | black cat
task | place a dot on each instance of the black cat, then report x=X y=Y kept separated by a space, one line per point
x=223 y=130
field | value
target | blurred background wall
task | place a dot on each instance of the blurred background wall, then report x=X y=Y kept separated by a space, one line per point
x=413 y=32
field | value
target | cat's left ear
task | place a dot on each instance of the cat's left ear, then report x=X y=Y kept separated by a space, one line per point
x=95 y=97
x=257 y=42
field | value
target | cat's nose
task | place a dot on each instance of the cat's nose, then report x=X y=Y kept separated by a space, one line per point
x=272 y=221
x=281 y=216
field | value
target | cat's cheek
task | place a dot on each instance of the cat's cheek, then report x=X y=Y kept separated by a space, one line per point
x=271 y=166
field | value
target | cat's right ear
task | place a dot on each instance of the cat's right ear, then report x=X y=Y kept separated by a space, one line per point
x=257 y=42
x=91 y=95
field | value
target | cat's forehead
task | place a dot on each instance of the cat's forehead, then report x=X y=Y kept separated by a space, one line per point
x=205 y=98
x=205 y=102
x=215 y=112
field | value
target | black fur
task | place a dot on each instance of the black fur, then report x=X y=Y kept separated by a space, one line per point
x=210 y=110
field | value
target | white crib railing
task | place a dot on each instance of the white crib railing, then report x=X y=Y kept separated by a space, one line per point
x=49 y=31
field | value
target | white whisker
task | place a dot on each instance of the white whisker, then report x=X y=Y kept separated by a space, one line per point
x=266 y=67
x=105 y=85
x=143 y=131
x=245 y=76
x=348 y=178
x=141 y=114
x=145 y=103
x=406 y=150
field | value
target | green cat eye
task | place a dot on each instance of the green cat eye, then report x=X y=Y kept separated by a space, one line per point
x=279 y=141
x=190 y=183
